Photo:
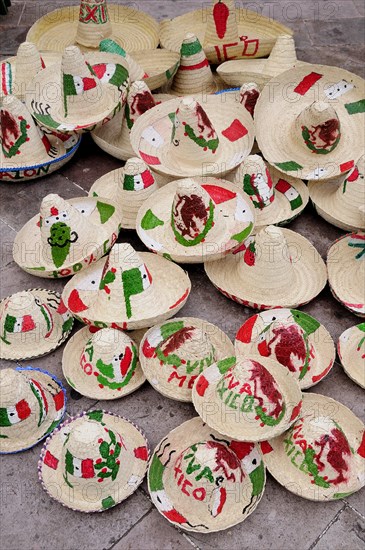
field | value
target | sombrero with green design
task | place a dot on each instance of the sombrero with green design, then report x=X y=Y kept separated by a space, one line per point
x=322 y=456
x=248 y=398
x=351 y=351
x=32 y=323
x=202 y=481
x=175 y=352
x=293 y=338
x=32 y=404
x=93 y=461
x=103 y=364
x=321 y=112
x=195 y=220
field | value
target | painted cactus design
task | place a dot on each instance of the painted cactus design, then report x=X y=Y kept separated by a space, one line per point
x=61 y=236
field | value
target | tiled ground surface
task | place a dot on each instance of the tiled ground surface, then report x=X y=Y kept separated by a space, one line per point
x=331 y=32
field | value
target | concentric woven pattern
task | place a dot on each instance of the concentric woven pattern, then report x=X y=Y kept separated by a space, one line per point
x=351 y=351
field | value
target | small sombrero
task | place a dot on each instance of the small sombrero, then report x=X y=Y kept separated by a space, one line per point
x=86 y=25
x=339 y=200
x=193 y=222
x=225 y=31
x=26 y=151
x=248 y=96
x=346 y=271
x=32 y=323
x=194 y=136
x=93 y=461
x=174 y=353
x=276 y=268
x=277 y=199
x=66 y=236
x=204 y=482
x=129 y=187
x=351 y=351
x=321 y=457
x=114 y=136
x=295 y=339
x=241 y=71
x=248 y=398
x=155 y=67
x=127 y=290
x=32 y=404
x=320 y=110
x=102 y=364
x=71 y=97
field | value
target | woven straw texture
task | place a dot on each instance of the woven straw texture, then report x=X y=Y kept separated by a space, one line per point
x=351 y=351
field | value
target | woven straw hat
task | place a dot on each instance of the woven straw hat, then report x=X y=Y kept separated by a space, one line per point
x=66 y=236
x=90 y=23
x=295 y=339
x=351 y=351
x=26 y=151
x=129 y=187
x=248 y=96
x=318 y=121
x=127 y=290
x=70 y=97
x=346 y=271
x=102 y=364
x=174 y=353
x=32 y=404
x=114 y=137
x=277 y=200
x=93 y=461
x=194 y=222
x=321 y=457
x=226 y=32
x=339 y=200
x=32 y=323
x=199 y=136
x=241 y=71
x=220 y=481
x=248 y=399
x=276 y=268
x=17 y=71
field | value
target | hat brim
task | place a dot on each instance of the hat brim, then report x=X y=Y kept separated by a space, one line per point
x=284 y=465
x=87 y=385
x=36 y=347
x=243 y=71
x=54 y=417
x=351 y=348
x=216 y=85
x=57 y=30
x=159 y=65
x=53 y=479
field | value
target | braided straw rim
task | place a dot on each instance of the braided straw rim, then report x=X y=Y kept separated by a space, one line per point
x=351 y=349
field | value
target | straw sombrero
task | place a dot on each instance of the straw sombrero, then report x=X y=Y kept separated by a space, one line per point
x=194 y=136
x=71 y=97
x=32 y=323
x=248 y=398
x=295 y=339
x=102 y=364
x=248 y=96
x=204 y=482
x=309 y=121
x=127 y=290
x=339 y=200
x=321 y=457
x=226 y=32
x=241 y=71
x=92 y=21
x=193 y=222
x=26 y=151
x=351 y=351
x=276 y=268
x=114 y=136
x=174 y=353
x=276 y=199
x=155 y=67
x=66 y=236
x=93 y=461
x=129 y=187
x=346 y=271
x=32 y=404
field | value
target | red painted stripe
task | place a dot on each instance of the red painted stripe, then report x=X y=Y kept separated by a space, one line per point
x=149 y=159
x=59 y=400
x=307 y=83
x=23 y=409
x=219 y=194
x=244 y=334
x=223 y=498
x=296 y=411
x=87 y=468
x=282 y=186
x=200 y=65
x=361 y=449
x=266 y=447
x=183 y=297
x=41 y=391
x=3 y=78
x=346 y=166
x=50 y=460
x=323 y=374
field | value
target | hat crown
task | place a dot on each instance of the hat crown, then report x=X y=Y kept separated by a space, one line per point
x=83 y=439
x=351 y=191
x=139 y=100
x=283 y=55
x=94 y=23
x=221 y=23
x=110 y=46
x=194 y=73
x=13 y=387
x=256 y=181
x=319 y=127
x=108 y=343
x=136 y=176
x=249 y=94
x=28 y=64
x=190 y=344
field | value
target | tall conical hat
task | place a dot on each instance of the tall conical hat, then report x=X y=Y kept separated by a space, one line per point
x=351 y=351
x=276 y=268
x=249 y=94
x=67 y=235
x=16 y=74
x=93 y=24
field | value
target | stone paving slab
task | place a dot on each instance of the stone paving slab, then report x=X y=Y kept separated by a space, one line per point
x=347 y=532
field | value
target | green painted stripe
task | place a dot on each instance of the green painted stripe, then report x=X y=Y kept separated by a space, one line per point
x=355 y=108
x=190 y=49
x=289 y=166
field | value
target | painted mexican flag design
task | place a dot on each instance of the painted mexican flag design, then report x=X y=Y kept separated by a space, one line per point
x=187 y=51
x=259 y=187
x=6 y=78
x=323 y=138
x=295 y=200
x=191 y=220
x=14 y=325
x=112 y=73
x=139 y=181
x=66 y=317
x=117 y=374
x=40 y=395
x=79 y=468
x=14 y=414
x=76 y=85
x=135 y=281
